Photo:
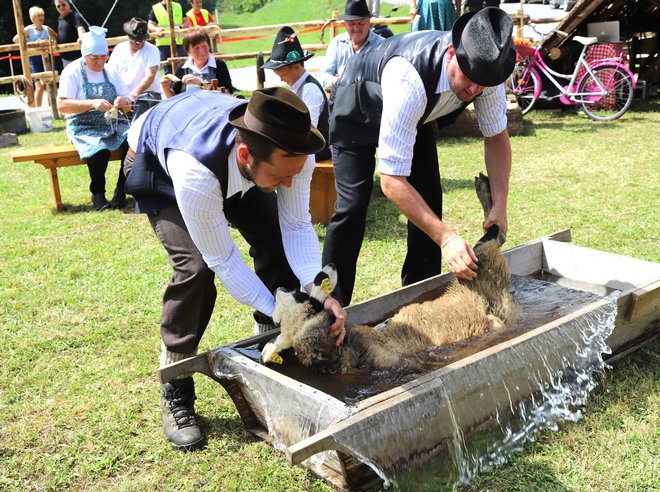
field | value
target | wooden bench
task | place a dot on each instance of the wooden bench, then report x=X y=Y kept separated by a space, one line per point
x=53 y=157
x=322 y=193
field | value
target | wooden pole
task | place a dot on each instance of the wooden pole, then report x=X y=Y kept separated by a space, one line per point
x=25 y=62
x=51 y=87
x=173 y=48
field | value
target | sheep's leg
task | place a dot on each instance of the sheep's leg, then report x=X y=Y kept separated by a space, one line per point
x=482 y=187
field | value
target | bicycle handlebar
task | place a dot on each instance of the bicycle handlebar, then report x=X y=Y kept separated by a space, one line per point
x=544 y=34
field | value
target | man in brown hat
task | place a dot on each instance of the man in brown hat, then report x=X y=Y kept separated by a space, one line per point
x=138 y=63
x=387 y=98
x=358 y=38
x=287 y=60
x=196 y=172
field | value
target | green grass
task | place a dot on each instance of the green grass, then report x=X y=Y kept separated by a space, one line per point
x=282 y=12
x=80 y=306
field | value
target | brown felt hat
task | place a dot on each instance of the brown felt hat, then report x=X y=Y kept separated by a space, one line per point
x=484 y=47
x=137 y=29
x=279 y=115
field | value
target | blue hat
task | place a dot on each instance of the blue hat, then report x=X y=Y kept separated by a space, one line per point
x=93 y=42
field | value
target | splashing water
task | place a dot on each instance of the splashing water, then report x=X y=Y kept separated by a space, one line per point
x=561 y=394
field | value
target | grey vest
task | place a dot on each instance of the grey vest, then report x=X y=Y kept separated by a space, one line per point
x=356 y=101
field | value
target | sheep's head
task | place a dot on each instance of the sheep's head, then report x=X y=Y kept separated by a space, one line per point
x=304 y=324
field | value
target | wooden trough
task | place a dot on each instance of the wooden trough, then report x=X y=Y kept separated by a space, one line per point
x=332 y=426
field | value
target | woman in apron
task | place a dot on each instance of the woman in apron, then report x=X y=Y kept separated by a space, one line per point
x=90 y=96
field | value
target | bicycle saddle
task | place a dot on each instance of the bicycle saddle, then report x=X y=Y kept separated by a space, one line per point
x=585 y=41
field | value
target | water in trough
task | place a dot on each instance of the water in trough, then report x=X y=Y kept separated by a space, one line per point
x=558 y=392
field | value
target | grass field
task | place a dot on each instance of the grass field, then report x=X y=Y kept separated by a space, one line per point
x=80 y=307
x=282 y=12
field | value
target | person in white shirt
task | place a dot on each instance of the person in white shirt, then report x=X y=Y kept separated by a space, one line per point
x=94 y=99
x=194 y=172
x=287 y=60
x=387 y=98
x=358 y=38
x=138 y=63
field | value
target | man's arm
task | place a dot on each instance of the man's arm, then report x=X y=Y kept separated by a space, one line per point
x=145 y=83
x=497 y=154
x=328 y=74
x=456 y=252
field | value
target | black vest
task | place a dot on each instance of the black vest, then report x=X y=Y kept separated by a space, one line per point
x=356 y=101
x=324 y=123
x=195 y=122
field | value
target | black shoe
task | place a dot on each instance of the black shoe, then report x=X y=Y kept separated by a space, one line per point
x=118 y=199
x=99 y=201
x=179 y=420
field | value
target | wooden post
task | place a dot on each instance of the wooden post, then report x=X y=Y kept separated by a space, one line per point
x=522 y=21
x=25 y=62
x=173 y=49
x=51 y=88
x=334 y=29
x=261 y=75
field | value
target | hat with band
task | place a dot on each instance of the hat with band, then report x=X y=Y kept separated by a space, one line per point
x=286 y=50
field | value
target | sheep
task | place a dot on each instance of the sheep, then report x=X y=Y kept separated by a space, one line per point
x=467 y=309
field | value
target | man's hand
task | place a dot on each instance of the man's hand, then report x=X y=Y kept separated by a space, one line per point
x=460 y=257
x=334 y=309
x=497 y=216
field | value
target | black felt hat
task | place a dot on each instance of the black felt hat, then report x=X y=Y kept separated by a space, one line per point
x=137 y=29
x=286 y=50
x=484 y=47
x=355 y=9
x=279 y=115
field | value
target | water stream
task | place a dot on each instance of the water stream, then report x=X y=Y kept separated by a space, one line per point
x=555 y=390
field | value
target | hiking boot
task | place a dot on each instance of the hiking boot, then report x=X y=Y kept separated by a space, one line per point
x=179 y=420
x=99 y=201
x=118 y=199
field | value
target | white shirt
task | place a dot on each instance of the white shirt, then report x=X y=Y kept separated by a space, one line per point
x=199 y=198
x=398 y=128
x=71 y=81
x=339 y=52
x=311 y=95
x=133 y=67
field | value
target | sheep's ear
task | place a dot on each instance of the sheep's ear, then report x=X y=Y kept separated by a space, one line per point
x=271 y=351
x=324 y=283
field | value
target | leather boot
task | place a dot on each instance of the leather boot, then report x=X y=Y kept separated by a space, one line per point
x=179 y=420
x=118 y=199
x=99 y=201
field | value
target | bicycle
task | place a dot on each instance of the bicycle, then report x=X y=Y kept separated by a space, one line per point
x=605 y=90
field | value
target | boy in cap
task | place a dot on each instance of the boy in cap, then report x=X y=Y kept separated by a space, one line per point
x=387 y=98
x=194 y=173
x=287 y=60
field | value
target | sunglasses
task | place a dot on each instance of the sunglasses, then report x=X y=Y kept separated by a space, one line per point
x=58 y=5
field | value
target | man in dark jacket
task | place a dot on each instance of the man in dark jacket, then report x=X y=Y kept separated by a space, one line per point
x=387 y=98
x=70 y=29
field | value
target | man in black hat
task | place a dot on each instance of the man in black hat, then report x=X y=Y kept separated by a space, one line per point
x=196 y=172
x=358 y=38
x=138 y=63
x=287 y=60
x=387 y=98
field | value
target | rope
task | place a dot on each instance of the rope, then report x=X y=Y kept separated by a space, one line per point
x=106 y=17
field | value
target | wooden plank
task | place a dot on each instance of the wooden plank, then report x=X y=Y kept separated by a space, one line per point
x=643 y=300
x=597 y=267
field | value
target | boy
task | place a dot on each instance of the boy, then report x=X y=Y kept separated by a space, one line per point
x=287 y=60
